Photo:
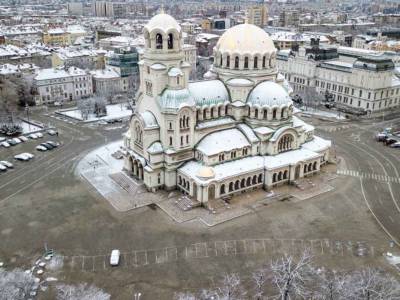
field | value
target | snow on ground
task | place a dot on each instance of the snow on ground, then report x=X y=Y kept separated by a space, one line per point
x=323 y=113
x=28 y=128
x=114 y=111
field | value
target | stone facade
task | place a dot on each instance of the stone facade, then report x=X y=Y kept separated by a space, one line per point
x=232 y=133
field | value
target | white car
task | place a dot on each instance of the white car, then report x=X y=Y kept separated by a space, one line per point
x=39 y=135
x=5 y=144
x=30 y=155
x=2 y=139
x=6 y=164
x=22 y=157
x=33 y=136
x=23 y=138
x=17 y=140
x=51 y=132
x=3 y=168
x=114 y=258
x=41 y=148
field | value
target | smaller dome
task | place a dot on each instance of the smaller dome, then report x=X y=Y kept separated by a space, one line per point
x=163 y=22
x=269 y=93
x=205 y=173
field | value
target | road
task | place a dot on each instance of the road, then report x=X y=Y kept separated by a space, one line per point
x=377 y=167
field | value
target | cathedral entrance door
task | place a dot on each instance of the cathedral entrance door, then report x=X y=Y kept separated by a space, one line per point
x=211 y=192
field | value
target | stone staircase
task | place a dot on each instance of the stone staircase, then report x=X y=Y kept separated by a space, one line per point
x=186 y=203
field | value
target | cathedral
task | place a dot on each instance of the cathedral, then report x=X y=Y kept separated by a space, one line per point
x=231 y=133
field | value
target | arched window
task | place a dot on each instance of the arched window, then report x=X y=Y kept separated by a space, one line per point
x=285 y=174
x=260 y=178
x=243 y=183
x=274 y=114
x=181 y=140
x=256 y=62
x=222 y=189
x=315 y=166
x=254 y=181
x=248 y=182
x=280 y=176
x=237 y=184
x=310 y=167
x=246 y=62
x=256 y=113
x=285 y=143
x=231 y=186
x=226 y=110
x=264 y=61
x=228 y=61
x=282 y=113
x=220 y=61
x=265 y=114
x=236 y=62
x=187 y=139
x=204 y=114
x=274 y=178
x=170 y=41
x=159 y=41
x=170 y=140
x=305 y=168
x=177 y=80
x=212 y=112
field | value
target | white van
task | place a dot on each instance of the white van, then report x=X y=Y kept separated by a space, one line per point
x=114 y=258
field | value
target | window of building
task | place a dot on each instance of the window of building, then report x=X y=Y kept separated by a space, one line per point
x=159 y=41
x=255 y=62
x=237 y=62
x=246 y=62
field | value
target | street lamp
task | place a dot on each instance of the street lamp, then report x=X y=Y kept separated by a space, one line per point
x=137 y=296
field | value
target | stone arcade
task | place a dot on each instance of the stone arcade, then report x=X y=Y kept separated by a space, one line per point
x=231 y=133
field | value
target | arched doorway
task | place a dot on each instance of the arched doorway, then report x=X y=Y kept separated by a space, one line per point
x=211 y=192
x=297 y=172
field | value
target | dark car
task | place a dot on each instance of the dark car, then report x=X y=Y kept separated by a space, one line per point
x=54 y=144
x=47 y=146
x=390 y=141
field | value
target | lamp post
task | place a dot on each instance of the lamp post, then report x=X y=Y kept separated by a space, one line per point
x=137 y=296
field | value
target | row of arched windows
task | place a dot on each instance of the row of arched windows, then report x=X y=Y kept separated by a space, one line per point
x=184 y=122
x=285 y=143
x=310 y=167
x=159 y=41
x=265 y=62
x=263 y=113
x=240 y=184
x=182 y=182
x=212 y=113
x=280 y=176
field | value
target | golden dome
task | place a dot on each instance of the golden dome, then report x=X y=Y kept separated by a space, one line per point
x=245 y=39
x=205 y=173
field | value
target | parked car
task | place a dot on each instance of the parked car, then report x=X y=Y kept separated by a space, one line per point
x=54 y=144
x=23 y=138
x=17 y=140
x=51 y=132
x=114 y=258
x=33 y=136
x=22 y=157
x=12 y=142
x=5 y=144
x=47 y=146
x=395 y=145
x=7 y=164
x=41 y=148
x=3 y=168
x=39 y=135
x=2 y=139
x=390 y=141
x=380 y=137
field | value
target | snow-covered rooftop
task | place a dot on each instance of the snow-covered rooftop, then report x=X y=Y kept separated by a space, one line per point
x=208 y=92
x=222 y=141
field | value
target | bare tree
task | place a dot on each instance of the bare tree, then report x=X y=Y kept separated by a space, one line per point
x=329 y=285
x=231 y=288
x=371 y=284
x=15 y=284
x=95 y=105
x=80 y=292
x=259 y=278
x=290 y=276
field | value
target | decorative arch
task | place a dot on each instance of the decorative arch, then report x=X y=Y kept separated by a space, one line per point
x=285 y=143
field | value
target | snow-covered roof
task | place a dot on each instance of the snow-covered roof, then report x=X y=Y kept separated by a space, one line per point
x=174 y=72
x=248 y=132
x=240 y=82
x=317 y=144
x=175 y=99
x=209 y=92
x=289 y=158
x=225 y=170
x=297 y=122
x=149 y=120
x=158 y=67
x=162 y=22
x=107 y=73
x=222 y=141
x=46 y=74
x=263 y=130
x=269 y=93
x=155 y=148
x=215 y=122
